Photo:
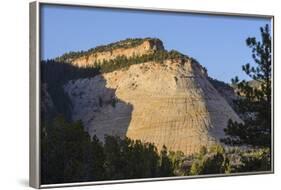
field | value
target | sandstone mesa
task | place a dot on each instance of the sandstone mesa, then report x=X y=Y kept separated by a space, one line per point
x=171 y=103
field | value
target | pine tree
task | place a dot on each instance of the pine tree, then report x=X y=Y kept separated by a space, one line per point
x=254 y=103
x=165 y=168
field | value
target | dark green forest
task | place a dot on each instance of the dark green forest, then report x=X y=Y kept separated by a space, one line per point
x=55 y=75
x=69 y=154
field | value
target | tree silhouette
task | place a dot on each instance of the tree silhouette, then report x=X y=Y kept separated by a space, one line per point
x=254 y=103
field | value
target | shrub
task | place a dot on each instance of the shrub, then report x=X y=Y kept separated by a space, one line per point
x=255 y=160
x=213 y=161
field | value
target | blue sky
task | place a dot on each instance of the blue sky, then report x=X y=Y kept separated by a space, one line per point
x=217 y=42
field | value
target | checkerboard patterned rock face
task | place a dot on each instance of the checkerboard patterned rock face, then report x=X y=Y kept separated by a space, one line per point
x=170 y=103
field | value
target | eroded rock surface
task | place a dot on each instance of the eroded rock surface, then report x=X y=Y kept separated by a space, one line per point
x=170 y=103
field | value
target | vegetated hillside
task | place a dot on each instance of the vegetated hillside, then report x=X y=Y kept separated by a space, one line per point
x=155 y=95
x=126 y=48
x=252 y=83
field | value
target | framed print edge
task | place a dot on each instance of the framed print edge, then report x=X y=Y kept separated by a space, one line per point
x=273 y=96
x=148 y=8
x=110 y=182
x=34 y=96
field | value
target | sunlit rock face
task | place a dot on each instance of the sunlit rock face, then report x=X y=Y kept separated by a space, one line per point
x=170 y=103
x=147 y=46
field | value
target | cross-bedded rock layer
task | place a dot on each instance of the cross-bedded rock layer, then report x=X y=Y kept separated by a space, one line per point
x=170 y=103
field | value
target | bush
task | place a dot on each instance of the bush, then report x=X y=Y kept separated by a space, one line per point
x=213 y=161
x=255 y=160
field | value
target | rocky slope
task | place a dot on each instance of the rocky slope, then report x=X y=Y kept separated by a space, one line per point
x=225 y=90
x=127 y=48
x=168 y=103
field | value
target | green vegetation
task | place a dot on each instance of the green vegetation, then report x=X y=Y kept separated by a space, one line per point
x=255 y=160
x=127 y=43
x=122 y=62
x=55 y=75
x=255 y=103
x=218 y=160
x=70 y=155
x=213 y=161
x=255 y=106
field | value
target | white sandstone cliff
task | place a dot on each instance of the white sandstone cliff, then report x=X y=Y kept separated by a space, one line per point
x=170 y=103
